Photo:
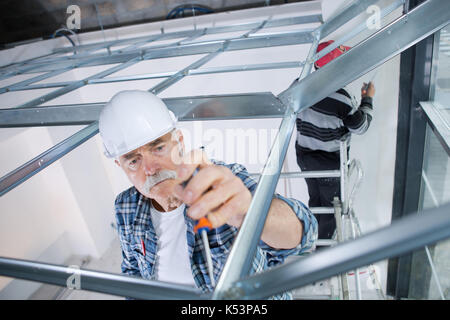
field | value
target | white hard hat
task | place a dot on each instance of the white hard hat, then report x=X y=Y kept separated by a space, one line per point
x=132 y=119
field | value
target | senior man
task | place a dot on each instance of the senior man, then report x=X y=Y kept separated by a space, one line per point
x=156 y=217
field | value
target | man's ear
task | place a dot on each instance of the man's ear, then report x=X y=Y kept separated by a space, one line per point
x=181 y=147
x=180 y=137
x=117 y=162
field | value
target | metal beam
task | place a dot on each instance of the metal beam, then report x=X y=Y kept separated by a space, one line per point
x=77 y=84
x=29 y=169
x=367 y=55
x=225 y=107
x=119 y=56
x=64 y=115
x=187 y=33
x=239 y=260
x=356 y=30
x=401 y=34
x=251 y=42
x=182 y=73
x=116 y=284
x=244 y=247
x=21 y=174
x=41 y=77
x=344 y=15
x=6 y=70
x=18 y=70
x=438 y=124
x=210 y=70
x=24 y=172
x=405 y=235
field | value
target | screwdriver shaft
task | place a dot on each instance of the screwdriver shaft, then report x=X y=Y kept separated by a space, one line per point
x=208 y=257
x=204 y=235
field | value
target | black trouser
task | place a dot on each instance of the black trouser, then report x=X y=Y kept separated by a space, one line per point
x=321 y=190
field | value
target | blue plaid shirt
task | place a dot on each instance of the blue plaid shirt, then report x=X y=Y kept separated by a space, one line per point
x=135 y=225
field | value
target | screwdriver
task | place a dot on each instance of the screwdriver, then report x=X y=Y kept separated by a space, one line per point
x=203 y=226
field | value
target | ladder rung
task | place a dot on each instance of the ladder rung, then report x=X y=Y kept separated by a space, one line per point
x=325 y=242
x=306 y=174
x=322 y=210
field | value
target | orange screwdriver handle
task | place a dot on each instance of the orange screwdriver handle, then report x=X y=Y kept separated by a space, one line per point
x=202 y=224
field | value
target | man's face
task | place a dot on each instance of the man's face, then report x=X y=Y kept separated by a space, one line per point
x=152 y=168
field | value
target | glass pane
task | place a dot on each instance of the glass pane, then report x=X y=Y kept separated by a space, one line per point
x=435 y=190
x=436 y=173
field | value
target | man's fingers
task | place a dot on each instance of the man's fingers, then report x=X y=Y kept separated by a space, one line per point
x=214 y=190
x=214 y=198
x=208 y=177
x=231 y=212
x=371 y=89
x=191 y=161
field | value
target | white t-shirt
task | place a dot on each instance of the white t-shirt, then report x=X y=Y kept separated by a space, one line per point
x=172 y=263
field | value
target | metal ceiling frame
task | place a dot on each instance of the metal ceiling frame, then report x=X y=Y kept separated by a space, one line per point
x=234 y=281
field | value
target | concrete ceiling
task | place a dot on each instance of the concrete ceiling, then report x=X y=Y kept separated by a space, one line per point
x=24 y=20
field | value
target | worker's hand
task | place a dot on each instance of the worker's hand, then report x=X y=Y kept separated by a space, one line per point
x=368 y=90
x=214 y=191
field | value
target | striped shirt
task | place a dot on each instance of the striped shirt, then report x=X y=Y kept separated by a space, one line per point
x=135 y=225
x=321 y=126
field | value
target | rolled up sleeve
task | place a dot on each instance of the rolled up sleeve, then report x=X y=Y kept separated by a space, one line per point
x=309 y=236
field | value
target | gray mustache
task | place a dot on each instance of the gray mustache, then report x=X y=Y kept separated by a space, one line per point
x=157 y=178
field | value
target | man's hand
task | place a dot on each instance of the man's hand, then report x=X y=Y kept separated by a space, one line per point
x=214 y=191
x=217 y=193
x=368 y=90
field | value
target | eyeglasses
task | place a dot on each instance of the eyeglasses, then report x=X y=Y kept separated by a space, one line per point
x=159 y=150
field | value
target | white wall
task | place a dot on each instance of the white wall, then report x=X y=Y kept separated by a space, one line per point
x=71 y=202
x=64 y=210
x=42 y=213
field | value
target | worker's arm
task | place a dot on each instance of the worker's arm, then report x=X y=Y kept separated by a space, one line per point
x=283 y=230
x=224 y=198
x=359 y=121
